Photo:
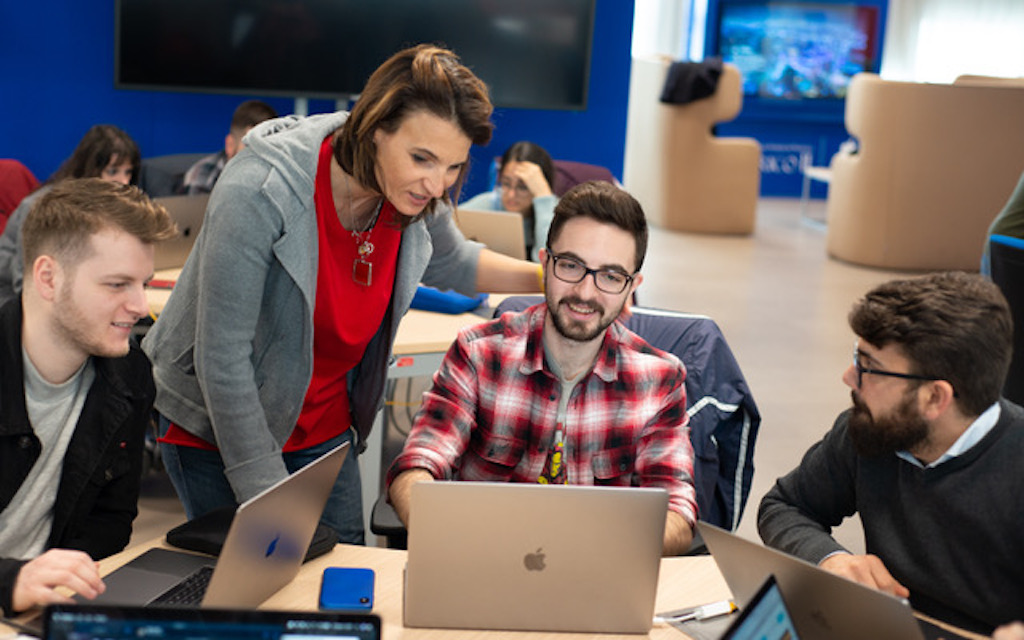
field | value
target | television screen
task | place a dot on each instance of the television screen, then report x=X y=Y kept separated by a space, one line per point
x=799 y=50
x=531 y=53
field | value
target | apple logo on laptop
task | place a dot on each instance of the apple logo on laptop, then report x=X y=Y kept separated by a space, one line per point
x=272 y=546
x=820 y=619
x=534 y=561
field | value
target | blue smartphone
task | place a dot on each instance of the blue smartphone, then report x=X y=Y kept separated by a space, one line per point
x=346 y=589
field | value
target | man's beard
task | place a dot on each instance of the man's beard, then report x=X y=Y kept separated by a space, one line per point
x=577 y=331
x=901 y=429
x=75 y=329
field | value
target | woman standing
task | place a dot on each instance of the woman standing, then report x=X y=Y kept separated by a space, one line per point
x=274 y=345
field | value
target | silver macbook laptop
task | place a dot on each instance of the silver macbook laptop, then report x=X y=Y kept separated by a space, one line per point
x=187 y=212
x=500 y=231
x=534 y=557
x=79 y=622
x=822 y=603
x=263 y=550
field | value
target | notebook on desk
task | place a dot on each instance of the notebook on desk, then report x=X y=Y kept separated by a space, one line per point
x=263 y=550
x=822 y=603
x=187 y=212
x=500 y=231
x=77 y=622
x=533 y=557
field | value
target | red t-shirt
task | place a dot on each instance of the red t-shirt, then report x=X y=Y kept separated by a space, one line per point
x=346 y=315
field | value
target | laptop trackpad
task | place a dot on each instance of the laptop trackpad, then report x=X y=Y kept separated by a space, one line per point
x=170 y=562
x=133 y=586
x=148 y=576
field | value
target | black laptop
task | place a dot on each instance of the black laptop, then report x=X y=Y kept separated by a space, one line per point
x=108 y=622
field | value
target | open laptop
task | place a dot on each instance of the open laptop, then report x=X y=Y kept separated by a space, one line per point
x=187 y=212
x=534 y=557
x=263 y=550
x=766 y=617
x=77 y=622
x=822 y=603
x=500 y=231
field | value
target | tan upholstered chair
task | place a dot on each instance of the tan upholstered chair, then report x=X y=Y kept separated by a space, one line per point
x=686 y=178
x=975 y=81
x=934 y=166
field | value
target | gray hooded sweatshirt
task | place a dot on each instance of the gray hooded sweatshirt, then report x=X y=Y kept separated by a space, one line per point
x=232 y=351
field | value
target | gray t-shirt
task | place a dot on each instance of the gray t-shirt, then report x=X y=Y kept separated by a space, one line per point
x=554 y=468
x=53 y=411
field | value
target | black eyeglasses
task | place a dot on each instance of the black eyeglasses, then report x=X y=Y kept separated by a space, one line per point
x=861 y=370
x=572 y=271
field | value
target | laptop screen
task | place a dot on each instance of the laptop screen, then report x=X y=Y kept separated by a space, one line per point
x=764 y=618
x=76 y=622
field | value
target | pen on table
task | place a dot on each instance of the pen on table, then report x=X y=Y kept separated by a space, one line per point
x=703 y=612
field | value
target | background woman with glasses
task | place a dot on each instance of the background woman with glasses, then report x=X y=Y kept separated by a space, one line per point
x=525 y=186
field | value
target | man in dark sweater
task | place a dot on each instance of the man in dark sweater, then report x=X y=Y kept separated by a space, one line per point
x=928 y=455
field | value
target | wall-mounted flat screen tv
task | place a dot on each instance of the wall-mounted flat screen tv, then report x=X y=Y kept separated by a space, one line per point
x=531 y=53
x=792 y=49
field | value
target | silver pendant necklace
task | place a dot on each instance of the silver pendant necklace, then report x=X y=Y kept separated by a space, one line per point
x=362 y=268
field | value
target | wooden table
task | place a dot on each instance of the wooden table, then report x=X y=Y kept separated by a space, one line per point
x=683 y=582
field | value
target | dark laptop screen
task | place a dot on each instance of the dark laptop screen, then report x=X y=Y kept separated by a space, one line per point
x=74 y=622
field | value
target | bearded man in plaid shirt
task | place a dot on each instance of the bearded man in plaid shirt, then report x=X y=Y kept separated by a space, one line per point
x=561 y=392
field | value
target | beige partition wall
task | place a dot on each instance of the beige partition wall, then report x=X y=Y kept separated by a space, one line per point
x=935 y=164
x=686 y=178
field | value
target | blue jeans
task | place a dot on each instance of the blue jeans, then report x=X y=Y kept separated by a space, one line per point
x=198 y=478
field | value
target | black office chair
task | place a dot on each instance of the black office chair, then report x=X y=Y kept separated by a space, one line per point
x=1007 y=263
x=724 y=420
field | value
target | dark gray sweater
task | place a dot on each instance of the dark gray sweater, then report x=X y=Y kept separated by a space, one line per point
x=953 y=535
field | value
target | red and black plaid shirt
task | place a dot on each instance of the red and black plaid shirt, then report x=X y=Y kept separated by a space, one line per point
x=492 y=412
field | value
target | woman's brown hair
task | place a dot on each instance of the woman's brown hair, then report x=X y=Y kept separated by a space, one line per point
x=422 y=78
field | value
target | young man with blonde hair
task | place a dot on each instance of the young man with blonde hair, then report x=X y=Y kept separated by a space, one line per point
x=75 y=392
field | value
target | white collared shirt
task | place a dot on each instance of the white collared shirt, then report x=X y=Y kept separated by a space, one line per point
x=970 y=437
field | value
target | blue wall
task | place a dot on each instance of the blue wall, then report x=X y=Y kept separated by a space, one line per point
x=56 y=80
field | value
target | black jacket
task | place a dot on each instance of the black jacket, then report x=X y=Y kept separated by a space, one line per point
x=97 y=497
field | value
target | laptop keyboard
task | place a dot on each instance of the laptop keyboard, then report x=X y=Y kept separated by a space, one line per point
x=189 y=591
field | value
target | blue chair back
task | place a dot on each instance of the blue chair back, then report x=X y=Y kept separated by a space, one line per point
x=1007 y=263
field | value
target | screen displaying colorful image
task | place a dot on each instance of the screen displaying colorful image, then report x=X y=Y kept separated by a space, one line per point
x=796 y=50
